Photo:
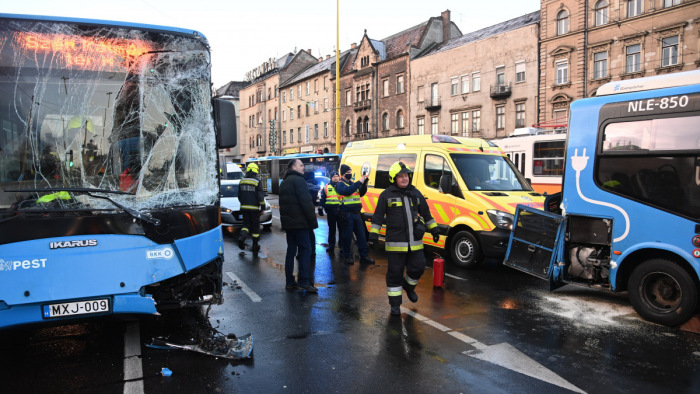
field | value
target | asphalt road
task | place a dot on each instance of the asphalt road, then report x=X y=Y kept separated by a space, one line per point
x=490 y=330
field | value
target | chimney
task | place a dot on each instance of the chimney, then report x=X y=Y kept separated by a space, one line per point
x=320 y=59
x=308 y=50
x=328 y=57
x=353 y=45
x=445 y=25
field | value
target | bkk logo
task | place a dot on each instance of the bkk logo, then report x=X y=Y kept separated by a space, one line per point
x=73 y=244
x=10 y=265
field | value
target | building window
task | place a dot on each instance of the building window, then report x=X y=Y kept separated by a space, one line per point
x=500 y=118
x=325 y=103
x=454 y=123
x=308 y=88
x=307 y=131
x=325 y=129
x=519 y=115
x=669 y=51
x=454 y=86
x=399 y=84
x=434 y=96
x=348 y=97
x=348 y=128
x=419 y=94
x=385 y=122
x=434 y=125
x=671 y=3
x=258 y=140
x=299 y=134
x=359 y=126
x=520 y=72
x=307 y=108
x=501 y=76
x=299 y=91
x=284 y=137
x=291 y=136
x=600 y=65
x=476 y=121
x=476 y=82
x=634 y=8
x=399 y=119
x=284 y=97
x=315 y=85
x=316 y=131
x=562 y=72
x=465 y=84
x=291 y=94
x=562 y=22
x=284 y=115
x=601 y=13
x=465 y=124
x=366 y=125
x=421 y=126
x=276 y=91
x=634 y=58
x=385 y=87
x=291 y=113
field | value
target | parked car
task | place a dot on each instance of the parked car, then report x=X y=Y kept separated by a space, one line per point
x=231 y=207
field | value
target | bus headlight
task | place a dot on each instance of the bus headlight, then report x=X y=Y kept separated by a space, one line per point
x=501 y=219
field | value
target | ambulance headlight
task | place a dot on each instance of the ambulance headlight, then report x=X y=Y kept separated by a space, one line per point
x=501 y=219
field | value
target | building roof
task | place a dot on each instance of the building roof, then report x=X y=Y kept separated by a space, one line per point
x=232 y=89
x=398 y=43
x=515 y=23
x=320 y=67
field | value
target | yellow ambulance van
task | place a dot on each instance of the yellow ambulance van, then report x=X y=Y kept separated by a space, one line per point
x=470 y=185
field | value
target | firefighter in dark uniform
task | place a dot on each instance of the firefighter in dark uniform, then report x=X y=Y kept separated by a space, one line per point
x=350 y=208
x=404 y=211
x=330 y=202
x=252 y=199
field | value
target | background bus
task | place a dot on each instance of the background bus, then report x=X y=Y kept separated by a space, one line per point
x=109 y=191
x=539 y=155
x=316 y=167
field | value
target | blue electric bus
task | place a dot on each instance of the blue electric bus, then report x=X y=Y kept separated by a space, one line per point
x=272 y=169
x=628 y=217
x=108 y=169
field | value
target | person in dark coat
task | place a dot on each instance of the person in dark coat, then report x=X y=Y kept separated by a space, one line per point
x=298 y=218
x=351 y=196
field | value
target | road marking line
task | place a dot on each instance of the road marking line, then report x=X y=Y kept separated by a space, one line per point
x=253 y=297
x=454 y=277
x=502 y=354
x=133 y=368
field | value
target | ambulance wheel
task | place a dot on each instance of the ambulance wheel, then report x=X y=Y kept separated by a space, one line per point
x=663 y=292
x=464 y=250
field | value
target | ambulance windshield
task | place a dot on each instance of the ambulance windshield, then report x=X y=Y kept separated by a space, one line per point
x=489 y=173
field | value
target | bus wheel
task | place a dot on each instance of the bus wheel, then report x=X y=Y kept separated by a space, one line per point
x=464 y=250
x=663 y=292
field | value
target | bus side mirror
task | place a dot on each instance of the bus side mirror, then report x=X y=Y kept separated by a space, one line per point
x=445 y=184
x=225 y=123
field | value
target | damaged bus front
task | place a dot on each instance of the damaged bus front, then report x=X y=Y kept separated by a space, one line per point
x=108 y=169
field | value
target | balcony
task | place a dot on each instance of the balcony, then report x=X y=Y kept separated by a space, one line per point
x=363 y=104
x=432 y=104
x=357 y=137
x=500 y=91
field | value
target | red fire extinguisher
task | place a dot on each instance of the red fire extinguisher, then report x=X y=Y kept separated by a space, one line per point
x=438 y=271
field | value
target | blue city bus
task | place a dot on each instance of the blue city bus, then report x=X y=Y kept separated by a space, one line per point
x=628 y=216
x=272 y=168
x=109 y=186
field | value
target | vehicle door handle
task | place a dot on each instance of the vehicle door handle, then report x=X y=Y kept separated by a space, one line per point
x=531 y=248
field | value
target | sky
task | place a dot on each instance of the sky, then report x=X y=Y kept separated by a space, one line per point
x=243 y=34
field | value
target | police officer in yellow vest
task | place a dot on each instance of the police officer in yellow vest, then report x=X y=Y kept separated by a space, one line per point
x=330 y=202
x=252 y=199
x=407 y=217
x=350 y=208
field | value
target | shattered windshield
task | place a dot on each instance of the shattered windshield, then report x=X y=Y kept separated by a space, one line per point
x=489 y=173
x=116 y=109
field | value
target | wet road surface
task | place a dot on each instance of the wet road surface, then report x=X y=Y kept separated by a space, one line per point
x=491 y=330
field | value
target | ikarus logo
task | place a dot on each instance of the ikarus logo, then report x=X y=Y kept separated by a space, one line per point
x=16 y=265
x=166 y=253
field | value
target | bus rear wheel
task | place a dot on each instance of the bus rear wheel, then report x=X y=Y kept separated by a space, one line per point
x=464 y=250
x=663 y=292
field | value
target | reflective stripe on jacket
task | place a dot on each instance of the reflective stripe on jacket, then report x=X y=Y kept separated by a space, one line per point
x=351 y=194
x=250 y=194
x=394 y=208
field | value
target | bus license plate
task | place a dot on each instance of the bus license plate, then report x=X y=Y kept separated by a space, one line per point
x=76 y=308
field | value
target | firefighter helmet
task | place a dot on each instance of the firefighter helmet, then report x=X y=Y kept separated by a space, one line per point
x=398 y=168
x=253 y=167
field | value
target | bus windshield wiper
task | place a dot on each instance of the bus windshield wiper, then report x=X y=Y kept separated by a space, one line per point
x=89 y=191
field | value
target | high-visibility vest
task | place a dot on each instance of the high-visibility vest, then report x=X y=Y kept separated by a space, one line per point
x=332 y=196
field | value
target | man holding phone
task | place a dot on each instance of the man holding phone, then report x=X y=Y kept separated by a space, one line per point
x=350 y=215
